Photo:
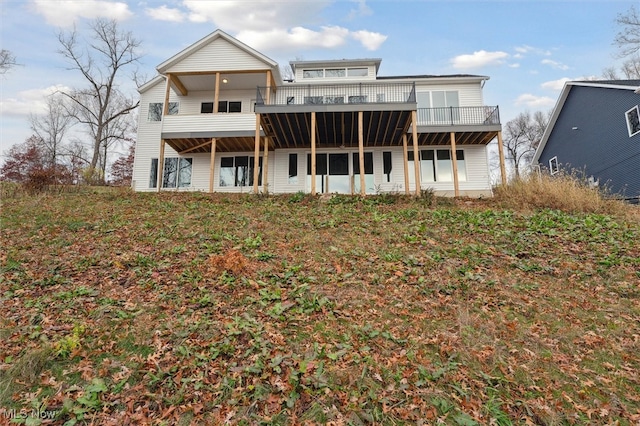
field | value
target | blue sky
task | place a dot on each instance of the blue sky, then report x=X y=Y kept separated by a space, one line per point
x=527 y=48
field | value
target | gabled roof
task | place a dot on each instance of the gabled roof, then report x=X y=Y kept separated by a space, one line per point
x=151 y=83
x=163 y=67
x=602 y=84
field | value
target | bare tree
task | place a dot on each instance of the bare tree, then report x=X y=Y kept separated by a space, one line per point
x=628 y=38
x=522 y=136
x=7 y=61
x=629 y=70
x=51 y=127
x=101 y=62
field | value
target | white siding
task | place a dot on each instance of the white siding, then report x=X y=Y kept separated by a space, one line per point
x=219 y=55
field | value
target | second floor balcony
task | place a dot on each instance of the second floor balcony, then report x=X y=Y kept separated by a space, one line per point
x=339 y=96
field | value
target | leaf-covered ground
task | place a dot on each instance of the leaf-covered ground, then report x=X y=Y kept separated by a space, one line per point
x=182 y=308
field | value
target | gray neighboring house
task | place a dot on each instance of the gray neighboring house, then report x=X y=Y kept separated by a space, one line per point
x=595 y=129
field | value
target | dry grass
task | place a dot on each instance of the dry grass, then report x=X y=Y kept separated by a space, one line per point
x=567 y=193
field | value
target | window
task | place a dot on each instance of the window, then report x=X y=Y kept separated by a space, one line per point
x=238 y=171
x=444 y=166
x=437 y=165
x=177 y=172
x=293 y=169
x=380 y=97
x=206 y=108
x=553 y=165
x=386 y=164
x=334 y=99
x=153 y=174
x=313 y=100
x=333 y=73
x=427 y=166
x=368 y=172
x=155 y=110
x=229 y=106
x=462 y=168
x=313 y=73
x=633 y=121
x=357 y=99
x=357 y=72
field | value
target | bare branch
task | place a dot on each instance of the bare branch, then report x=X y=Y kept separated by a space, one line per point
x=7 y=61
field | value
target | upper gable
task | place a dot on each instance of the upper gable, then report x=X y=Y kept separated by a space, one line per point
x=216 y=54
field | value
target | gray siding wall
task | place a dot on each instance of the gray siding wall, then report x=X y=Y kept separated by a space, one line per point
x=600 y=146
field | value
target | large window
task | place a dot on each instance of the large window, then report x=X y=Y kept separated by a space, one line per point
x=155 y=110
x=229 y=106
x=177 y=173
x=293 y=168
x=387 y=165
x=153 y=173
x=238 y=171
x=313 y=73
x=436 y=165
x=335 y=72
x=633 y=121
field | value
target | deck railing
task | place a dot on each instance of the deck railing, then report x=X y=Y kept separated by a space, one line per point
x=332 y=94
x=449 y=116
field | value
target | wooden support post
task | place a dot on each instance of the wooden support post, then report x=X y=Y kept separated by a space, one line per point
x=363 y=190
x=313 y=153
x=161 y=164
x=213 y=162
x=216 y=96
x=416 y=153
x=165 y=108
x=405 y=151
x=503 y=172
x=454 y=162
x=265 y=166
x=268 y=89
x=256 y=156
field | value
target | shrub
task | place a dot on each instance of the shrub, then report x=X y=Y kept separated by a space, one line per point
x=569 y=193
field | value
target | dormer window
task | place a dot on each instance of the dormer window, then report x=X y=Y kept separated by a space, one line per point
x=335 y=73
x=357 y=72
x=312 y=73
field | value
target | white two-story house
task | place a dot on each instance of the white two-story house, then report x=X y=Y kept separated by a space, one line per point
x=336 y=127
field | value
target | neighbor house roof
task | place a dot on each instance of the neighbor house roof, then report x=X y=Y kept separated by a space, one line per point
x=603 y=84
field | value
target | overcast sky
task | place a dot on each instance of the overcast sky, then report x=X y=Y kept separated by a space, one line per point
x=527 y=48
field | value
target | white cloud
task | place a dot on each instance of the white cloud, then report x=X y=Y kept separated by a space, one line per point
x=530 y=49
x=164 y=13
x=297 y=37
x=555 y=85
x=479 y=59
x=29 y=101
x=514 y=65
x=256 y=15
x=555 y=64
x=361 y=10
x=64 y=13
x=533 y=101
x=370 y=40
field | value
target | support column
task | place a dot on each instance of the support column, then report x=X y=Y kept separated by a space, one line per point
x=165 y=108
x=256 y=156
x=216 y=96
x=265 y=166
x=161 y=164
x=313 y=153
x=416 y=153
x=405 y=152
x=454 y=162
x=503 y=172
x=268 y=89
x=363 y=190
x=212 y=165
